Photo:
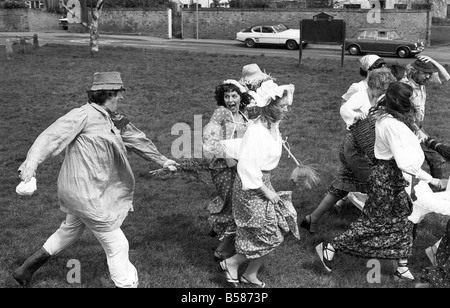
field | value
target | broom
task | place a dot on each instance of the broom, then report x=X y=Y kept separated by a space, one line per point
x=302 y=172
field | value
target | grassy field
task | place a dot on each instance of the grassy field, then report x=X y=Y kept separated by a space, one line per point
x=168 y=230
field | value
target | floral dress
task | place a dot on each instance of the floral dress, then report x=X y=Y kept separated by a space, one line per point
x=383 y=230
x=261 y=225
x=222 y=127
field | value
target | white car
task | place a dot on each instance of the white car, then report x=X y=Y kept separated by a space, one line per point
x=270 y=33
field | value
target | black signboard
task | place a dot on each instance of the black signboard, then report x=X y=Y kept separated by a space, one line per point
x=322 y=29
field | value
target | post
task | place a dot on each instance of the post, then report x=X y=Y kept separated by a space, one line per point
x=196 y=5
x=9 y=51
x=169 y=23
x=300 y=47
x=35 y=41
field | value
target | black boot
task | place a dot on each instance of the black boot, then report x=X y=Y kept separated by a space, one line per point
x=226 y=248
x=24 y=273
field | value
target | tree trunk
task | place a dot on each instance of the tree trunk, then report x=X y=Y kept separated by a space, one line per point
x=93 y=27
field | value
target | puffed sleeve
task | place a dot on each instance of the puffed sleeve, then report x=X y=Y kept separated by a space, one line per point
x=347 y=109
x=354 y=87
x=213 y=134
x=251 y=158
x=405 y=147
x=57 y=136
x=136 y=141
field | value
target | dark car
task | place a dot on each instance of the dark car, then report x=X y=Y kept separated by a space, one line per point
x=270 y=33
x=382 y=41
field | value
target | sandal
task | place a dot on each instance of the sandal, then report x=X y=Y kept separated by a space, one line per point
x=322 y=251
x=405 y=275
x=234 y=282
x=308 y=225
x=252 y=284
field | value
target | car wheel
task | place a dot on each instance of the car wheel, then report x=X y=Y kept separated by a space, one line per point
x=403 y=52
x=291 y=45
x=354 y=50
x=250 y=43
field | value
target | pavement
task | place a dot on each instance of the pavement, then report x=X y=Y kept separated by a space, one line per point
x=441 y=51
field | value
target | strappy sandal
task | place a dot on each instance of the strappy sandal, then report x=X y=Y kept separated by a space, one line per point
x=402 y=275
x=322 y=251
x=252 y=284
x=233 y=282
x=308 y=225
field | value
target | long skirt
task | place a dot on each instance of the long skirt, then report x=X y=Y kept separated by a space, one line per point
x=261 y=225
x=221 y=211
x=383 y=230
x=354 y=171
x=439 y=276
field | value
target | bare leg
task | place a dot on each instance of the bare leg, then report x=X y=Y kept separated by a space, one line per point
x=252 y=270
x=324 y=206
x=233 y=264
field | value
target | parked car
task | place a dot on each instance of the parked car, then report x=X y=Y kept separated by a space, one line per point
x=382 y=41
x=270 y=33
x=64 y=23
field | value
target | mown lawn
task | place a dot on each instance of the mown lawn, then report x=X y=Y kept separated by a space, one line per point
x=168 y=230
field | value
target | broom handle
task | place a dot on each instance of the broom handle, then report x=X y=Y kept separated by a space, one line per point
x=290 y=153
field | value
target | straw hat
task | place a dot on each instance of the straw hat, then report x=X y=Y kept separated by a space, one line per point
x=252 y=75
x=107 y=81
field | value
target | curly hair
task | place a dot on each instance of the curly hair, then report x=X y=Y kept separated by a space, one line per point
x=397 y=103
x=228 y=87
x=380 y=78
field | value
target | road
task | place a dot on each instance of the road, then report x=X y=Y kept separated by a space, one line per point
x=439 y=53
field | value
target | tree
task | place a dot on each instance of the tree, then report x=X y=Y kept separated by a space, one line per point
x=96 y=10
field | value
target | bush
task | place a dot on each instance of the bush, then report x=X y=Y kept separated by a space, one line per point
x=13 y=5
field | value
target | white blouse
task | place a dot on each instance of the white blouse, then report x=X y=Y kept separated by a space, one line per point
x=355 y=87
x=393 y=139
x=260 y=151
x=358 y=104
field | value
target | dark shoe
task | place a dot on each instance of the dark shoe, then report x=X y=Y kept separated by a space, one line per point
x=252 y=284
x=404 y=276
x=233 y=282
x=24 y=273
x=322 y=251
x=226 y=248
x=308 y=225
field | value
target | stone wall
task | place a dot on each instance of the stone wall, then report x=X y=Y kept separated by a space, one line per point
x=219 y=23
x=223 y=24
x=149 y=22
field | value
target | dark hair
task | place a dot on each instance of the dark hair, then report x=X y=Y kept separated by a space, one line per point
x=271 y=113
x=228 y=87
x=101 y=96
x=397 y=102
x=397 y=70
x=379 y=63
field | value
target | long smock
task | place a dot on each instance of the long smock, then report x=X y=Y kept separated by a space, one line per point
x=260 y=151
x=95 y=182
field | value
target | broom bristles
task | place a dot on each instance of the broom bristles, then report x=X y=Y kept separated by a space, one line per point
x=305 y=174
